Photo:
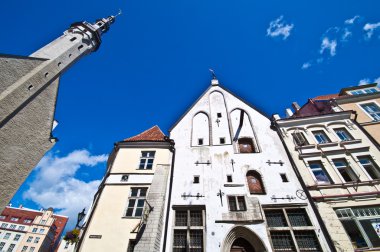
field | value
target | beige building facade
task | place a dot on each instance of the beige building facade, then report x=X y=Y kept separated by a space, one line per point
x=129 y=208
x=339 y=165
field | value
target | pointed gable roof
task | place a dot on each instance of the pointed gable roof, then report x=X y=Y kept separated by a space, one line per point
x=153 y=134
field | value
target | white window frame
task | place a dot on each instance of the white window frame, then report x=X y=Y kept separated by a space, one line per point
x=349 y=137
x=327 y=140
x=349 y=170
x=136 y=198
x=17 y=237
x=150 y=155
x=360 y=105
x=373 y=163
x=323 y=168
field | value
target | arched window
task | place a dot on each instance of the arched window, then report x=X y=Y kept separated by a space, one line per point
x=246 y=145
x=255 y=184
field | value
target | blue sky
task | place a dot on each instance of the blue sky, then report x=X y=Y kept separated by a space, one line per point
x=154 y=61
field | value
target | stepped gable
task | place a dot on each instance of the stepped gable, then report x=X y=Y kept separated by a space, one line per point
x=153 y=134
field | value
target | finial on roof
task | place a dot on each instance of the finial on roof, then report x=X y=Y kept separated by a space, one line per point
x=214 y=81
x=119 y=13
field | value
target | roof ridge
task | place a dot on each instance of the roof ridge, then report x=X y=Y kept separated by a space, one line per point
x=153 y=134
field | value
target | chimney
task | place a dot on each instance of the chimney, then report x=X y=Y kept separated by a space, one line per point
x=288 y=112
x=295 y=106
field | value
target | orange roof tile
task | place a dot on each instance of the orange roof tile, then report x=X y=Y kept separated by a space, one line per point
x=326 y=97
x=153 y=134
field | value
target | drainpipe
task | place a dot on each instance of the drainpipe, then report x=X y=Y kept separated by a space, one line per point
x=330 y=242
x=172 y=149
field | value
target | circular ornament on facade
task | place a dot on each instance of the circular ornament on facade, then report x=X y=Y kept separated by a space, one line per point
x=301 y=194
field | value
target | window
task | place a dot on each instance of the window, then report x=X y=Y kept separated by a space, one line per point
x=17 y=237
x=200 y=141
x=66 y=245
x=299 y=139
x=11 y=247
x=42 y=231
x=196 y=180
x=2 y=245
x=222 y=140
x=37 y=239
x=189 y=230
x=246 y=145
x=343 y=134
x=136 y=202
x=372 y=109
x=219 y=115
x=284 y=177
x=370 y=166
x=287 y=219
x=30 y=238
x=364 y=91
x=361 y=225
x=28 y=221
x=124 y=178
x=15 y=219
x=319 y=172
x=146 y=160
x=2 y=217
x=21 y=228
x=43 y=222
x=6 y=236
x=321 y=137
x=24 y=248
x=31 y=249
x=229 y=178
x=255 y=184
x=12 y=226
x=236 y=203
x=345 y=170
x=34 y=230
x=4 y=225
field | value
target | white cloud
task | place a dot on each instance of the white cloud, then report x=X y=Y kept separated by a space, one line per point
x=278 y=27
x=370 y=28
x=377 y=80
x=306 y=65
x=364 y=81
x=55 y=184
x=329 y=45
x=346 y=35
x=352 y=20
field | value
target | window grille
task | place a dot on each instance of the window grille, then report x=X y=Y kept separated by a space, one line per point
x=307 y=241
x=299 y=139
x=282 y=241
x=275 y=218
x=298 y=217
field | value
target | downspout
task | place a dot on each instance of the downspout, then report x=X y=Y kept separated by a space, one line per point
x=172 y=149
x=96 y=198
x=303 y=185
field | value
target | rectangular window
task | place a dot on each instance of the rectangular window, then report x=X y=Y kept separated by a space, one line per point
x=372 y=109
x=43 y=222
x=286 y=238
x=319 y=172
x=343 y=134
x=229 y=178
x=196 y=180
x=124 y=178
x=42 y=231
x=37 y=240
x=146 y=160
x=11 y=247
x=200 y=141
x=4 y=225
x=12 y=226
x=6 y=236
x=2 y=217
x=17 y=237
x=21 y=228
x=370 y=166
x=30 y=238
x=28 y=221
x=31 y=249
x=345 y=170
x=222 y=140
x=189 y=230
x=236 y=203
x=15 y=219
x=25 y=248
x=136 y=202
x=299 y=139
x=34 y=230
x=2 y=245
x=219 y=115
x=284 y=177
x=321 y=136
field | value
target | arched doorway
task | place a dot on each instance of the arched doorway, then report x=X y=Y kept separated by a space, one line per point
x=241 y=245
x=242 y=239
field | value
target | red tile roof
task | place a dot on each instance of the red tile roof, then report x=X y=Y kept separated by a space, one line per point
x=326 y=97
x=153 y=134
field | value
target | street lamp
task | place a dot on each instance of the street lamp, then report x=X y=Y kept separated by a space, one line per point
x=81 y=215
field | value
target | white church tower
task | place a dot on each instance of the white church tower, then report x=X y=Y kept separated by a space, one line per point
x=234 y=188
x=28 y=94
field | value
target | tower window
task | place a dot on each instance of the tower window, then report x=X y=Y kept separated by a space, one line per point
x=219 y=115
x=146 y=160
x=196 y=180
x=229 y=178
x=284 y=177
x=222 y=140
x=136 y=202
x=200 y=141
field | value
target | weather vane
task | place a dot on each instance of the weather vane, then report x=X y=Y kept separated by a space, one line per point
x=119 y=13
x=212 y=73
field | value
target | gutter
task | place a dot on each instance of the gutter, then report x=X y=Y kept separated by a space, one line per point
x=322 y=225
